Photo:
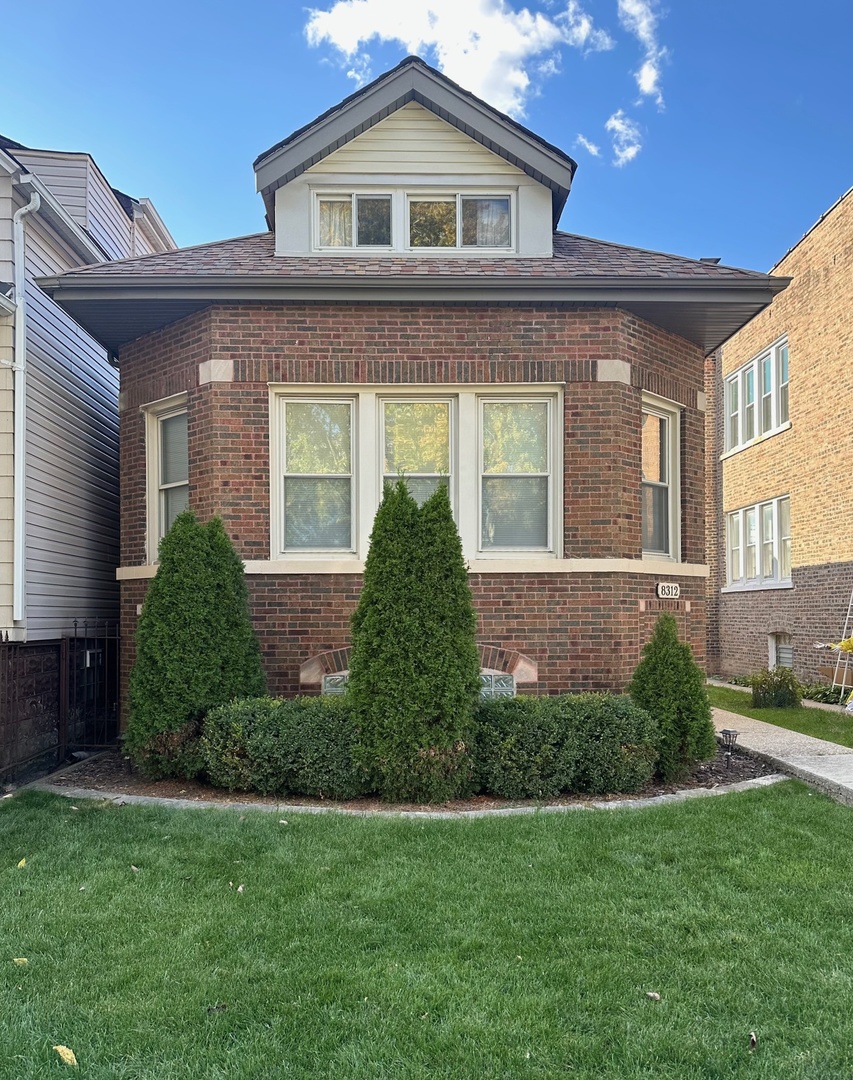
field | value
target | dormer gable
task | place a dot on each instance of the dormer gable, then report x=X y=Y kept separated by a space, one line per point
x=413 y=163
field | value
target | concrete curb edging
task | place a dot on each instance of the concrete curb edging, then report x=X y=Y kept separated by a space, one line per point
x=120 y=799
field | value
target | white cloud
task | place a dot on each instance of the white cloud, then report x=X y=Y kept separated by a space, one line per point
x=639 y=17
x=627 y=142
x=590 y=147
x=487 y=46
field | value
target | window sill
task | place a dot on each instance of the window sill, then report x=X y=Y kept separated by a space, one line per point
x=763 y=586
x=754 y=442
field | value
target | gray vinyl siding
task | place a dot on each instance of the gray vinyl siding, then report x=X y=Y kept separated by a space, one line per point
x=66 y=176
x=108 y=224
x=72 y=460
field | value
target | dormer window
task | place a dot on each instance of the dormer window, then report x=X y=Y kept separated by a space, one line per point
x=347 y=221
x=400 y=221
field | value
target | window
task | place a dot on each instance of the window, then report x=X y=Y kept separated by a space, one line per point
x=758 y=544
x=781 y=651
x=460 y=221
x=401 y=221
x=660 y=518
x=748 y=419
x=347 y=221
x=167 y=467
x=497 y=453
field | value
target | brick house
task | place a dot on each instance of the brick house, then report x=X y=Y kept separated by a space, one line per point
x=413 y=309
x=781 y=544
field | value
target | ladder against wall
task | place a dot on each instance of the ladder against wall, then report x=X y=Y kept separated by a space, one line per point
x=841 y=670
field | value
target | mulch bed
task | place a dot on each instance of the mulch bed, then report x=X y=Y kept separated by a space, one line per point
x=109 y=772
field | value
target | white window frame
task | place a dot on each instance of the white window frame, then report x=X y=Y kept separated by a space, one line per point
x=155 y=413
x=400 y=199
x=368 y=462
x=736 y=384
x=671 y=412
x=736 y=565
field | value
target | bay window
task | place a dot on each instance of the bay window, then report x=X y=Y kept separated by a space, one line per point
x=167 y=455
x=498 y=453
x=660 y=468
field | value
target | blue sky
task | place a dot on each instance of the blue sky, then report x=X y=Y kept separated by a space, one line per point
x=723 y=127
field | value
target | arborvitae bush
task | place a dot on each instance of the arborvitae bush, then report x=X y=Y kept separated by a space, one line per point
x=777 y=689
x=670 y=685
x=414 y=665
x=195 y=647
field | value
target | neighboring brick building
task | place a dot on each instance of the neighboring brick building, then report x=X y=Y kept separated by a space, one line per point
x=413 y=311
x=781 y=550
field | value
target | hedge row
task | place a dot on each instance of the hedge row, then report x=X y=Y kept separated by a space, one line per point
x=522 y=747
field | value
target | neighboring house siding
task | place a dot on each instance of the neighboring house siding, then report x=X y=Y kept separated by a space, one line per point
x=6 y=409
x=414 y=140
x=584 y=630
x=108 y=224
x=809 y=461
x=72 y=446
x=65 y=175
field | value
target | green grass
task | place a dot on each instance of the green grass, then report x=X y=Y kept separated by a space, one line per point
x=836 y=727
x=386 y=948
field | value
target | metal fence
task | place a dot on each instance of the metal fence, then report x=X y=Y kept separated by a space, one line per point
x=57 y=697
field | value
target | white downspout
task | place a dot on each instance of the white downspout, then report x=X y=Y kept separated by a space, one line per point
x=19 y=369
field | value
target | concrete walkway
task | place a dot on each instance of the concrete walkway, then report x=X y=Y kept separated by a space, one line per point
x=825 y=765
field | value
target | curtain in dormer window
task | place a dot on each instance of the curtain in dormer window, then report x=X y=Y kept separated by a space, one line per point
x=485 y=222
x=336 y=222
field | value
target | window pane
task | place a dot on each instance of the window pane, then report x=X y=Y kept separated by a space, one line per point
x=515 y=437
x=732 y=413
x=317 y=512
x=766 y=394
x=374 y=221
x=785 y=539
x=173 y=502
x=432 y=223
x=749 y=404
x=767 y=540
x=734 y=547
x=417 y=437
x=485 y=222
x=173 y=449
x=783 y=384
x=336 y=222
x=655 y=518
x=317 y=437
x=515 y=512
x=751 y=544
x=420 y=487
x=654 y=448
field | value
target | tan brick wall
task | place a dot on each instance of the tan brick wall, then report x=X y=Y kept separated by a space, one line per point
x=811 y=460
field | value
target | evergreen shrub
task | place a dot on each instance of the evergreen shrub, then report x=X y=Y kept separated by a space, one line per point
x=670 y=685
x=777 y=689
x=414 y=664
x=277 y=746
x=535 y=748
x=195 y=647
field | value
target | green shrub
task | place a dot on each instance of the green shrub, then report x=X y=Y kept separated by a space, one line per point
x=535 y=748
x=195 y=647
x=277 y=746
x=825 y=692
x=777 y=689
x=414 y=665
x=616 y=742
x=524 y=748
x=670 y=685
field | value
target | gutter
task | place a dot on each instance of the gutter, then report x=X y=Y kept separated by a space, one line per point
x=19 y=370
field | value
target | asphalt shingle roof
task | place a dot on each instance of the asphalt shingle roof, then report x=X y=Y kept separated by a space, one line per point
x=574 y=257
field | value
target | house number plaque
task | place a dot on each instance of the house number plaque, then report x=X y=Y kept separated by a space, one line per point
x=667 y=590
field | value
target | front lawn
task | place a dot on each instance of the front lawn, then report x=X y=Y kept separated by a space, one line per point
x=373 y=948
x=836 y=727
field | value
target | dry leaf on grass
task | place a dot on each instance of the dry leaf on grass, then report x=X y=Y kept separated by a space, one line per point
x=67 y=1055
x=135 y=869
x=21 y=961
x=653 y=994
x=22 y=864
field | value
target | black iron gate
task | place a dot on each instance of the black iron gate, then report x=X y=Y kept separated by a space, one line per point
x=57 y=697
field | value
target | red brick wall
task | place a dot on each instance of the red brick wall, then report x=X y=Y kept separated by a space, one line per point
x=583 y=631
